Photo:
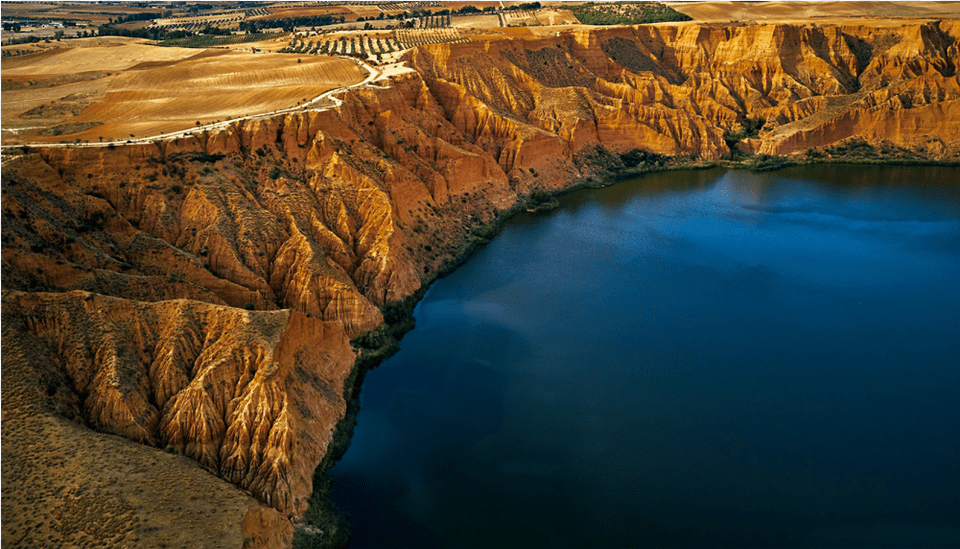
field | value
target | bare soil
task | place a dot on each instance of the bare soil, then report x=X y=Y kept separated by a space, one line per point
x=126 y=87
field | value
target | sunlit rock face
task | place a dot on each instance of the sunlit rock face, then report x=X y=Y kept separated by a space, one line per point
x=199 y=294
x=675 y=89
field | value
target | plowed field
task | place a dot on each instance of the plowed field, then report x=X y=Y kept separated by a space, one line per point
x=114 y=91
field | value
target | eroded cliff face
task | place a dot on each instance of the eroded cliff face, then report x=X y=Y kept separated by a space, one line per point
x=675 y=89
x=199 y=294
x=248 y=395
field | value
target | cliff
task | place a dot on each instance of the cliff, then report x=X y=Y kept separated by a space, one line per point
x=675 y=89
x=198 y=294
x=249 y=396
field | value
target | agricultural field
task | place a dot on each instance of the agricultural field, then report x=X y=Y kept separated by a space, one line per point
x=367 y=45
x=14 y=50
x=432 y=22
x=124 y=89
x=373 y=46
x=521 y=18
x=516 y=18
x=524 y=33
x=349 y=12
x=553 y=16
x=454 y=6
x=92 y=12
x=413 y=38
x=476 y=21
x=223 y=21
x=210 y=41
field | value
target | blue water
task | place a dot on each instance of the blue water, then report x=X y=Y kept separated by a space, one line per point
x=708 y=358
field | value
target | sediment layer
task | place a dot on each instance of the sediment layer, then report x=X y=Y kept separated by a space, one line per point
x=198 y=295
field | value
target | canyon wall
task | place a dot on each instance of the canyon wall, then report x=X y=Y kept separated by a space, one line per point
x=675 y=89
x=198 y=295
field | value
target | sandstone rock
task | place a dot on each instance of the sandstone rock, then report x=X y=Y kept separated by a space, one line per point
x=131 y=266
x=251 y=396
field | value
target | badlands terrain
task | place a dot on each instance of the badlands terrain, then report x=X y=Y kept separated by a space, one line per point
x=201 y=244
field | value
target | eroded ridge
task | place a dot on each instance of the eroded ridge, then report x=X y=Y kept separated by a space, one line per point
x=198 y=294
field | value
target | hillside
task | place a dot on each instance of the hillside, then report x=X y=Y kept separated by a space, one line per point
x=197 y=295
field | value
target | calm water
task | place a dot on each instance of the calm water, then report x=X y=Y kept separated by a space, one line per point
x=688 y=359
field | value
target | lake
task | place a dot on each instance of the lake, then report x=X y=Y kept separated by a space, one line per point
x=687 y=359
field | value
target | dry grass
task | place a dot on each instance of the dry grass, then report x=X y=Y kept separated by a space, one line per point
x=474 y=21
x=526 y=18
x=143 y=90
x=81 y=55
x=556 y=17
x=503 y=32
x=545 y=16
x=19 y=49
x=272 y=45
x=364 y=11
x=98 y=41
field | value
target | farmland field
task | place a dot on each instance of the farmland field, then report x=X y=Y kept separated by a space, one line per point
x=207 y=40
x=96 y=13
x=123 y=89
x=556 y=17
x=350 y=13
x=413 y=38
x=525 y=18
x=475 y=21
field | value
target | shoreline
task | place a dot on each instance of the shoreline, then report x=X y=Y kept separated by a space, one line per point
x=375 y=346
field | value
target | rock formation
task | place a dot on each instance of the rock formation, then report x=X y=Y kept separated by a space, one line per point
x=199 y=294
x=238 y=391
x=675 y=89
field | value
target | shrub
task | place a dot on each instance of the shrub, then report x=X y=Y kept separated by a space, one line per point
x=764 y=163
x=749 y=129
x=205 y=157
x=625 y=13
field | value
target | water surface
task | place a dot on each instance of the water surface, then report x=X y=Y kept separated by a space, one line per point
x=708 y=358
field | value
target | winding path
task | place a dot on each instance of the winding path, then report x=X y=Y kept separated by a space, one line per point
x=373 y=74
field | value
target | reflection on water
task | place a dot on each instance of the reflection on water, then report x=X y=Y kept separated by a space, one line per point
x=614 y=197
x=701 y=358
